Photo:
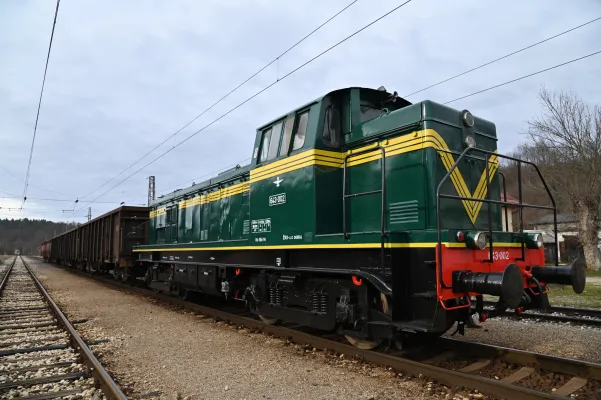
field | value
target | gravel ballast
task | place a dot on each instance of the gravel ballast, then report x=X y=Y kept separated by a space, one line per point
x=554 y=338
x=159 y=352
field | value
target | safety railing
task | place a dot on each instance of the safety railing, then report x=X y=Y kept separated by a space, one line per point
x=486 y=153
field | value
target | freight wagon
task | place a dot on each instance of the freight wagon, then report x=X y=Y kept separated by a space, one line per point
x=103 y=244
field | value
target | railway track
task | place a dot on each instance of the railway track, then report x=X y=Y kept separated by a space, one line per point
x=572 y=315
x=41 y=354
x=463 y=366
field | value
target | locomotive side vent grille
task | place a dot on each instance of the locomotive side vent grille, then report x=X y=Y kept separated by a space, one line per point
x=403 y=212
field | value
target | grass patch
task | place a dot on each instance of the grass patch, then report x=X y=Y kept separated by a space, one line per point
x=565 y=296
x=590 y=272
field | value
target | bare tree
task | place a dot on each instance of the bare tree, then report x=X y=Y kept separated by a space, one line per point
x=566 y=144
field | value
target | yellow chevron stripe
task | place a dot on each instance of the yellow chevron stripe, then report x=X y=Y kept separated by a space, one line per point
x=481 y=191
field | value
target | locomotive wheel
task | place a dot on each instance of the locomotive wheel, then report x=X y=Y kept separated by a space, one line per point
x=268 y=320
x=183 y=294
x=368 y=344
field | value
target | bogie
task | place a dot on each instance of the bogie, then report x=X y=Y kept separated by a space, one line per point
x=321 y=301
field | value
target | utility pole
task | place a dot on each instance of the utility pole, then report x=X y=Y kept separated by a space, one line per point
x=89 y=213
x=151 y=189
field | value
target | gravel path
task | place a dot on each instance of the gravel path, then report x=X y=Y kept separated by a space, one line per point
x=159 y=352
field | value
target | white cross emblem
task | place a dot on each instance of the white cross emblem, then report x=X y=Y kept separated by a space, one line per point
x=278 y=181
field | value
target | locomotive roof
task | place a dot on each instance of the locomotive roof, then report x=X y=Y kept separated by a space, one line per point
x=320 y=98
x=225 y=176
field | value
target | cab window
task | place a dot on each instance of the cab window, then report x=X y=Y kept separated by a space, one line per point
x=270 y=142
x=265 y=145
x=301 y=130
x=276 y=133
x=287 y=135
x=369 y=111
x=331 y=127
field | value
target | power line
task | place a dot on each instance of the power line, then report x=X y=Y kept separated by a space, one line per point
x=35 y=186
x=225 y=96
x=428 y=87
x=480 y=91
x=252 y=97
x=505 y=56
x=35 y=129
x=471 y=70
x=73 y=212
x=524 y=77
x=450 y=101
x=12 y=196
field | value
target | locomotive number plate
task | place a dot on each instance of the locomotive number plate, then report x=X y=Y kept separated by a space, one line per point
x=277 y=199
x=500 y=255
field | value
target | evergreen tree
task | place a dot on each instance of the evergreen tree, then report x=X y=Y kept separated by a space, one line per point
x=26 y=235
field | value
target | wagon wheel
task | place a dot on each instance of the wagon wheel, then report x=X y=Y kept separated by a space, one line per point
x=368 y=344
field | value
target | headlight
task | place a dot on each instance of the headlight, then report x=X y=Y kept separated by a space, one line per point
x=534 y=240
x=467 y=118
x=470 y=141
x=476 y=240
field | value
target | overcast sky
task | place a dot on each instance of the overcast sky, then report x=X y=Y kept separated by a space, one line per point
x=125 y=75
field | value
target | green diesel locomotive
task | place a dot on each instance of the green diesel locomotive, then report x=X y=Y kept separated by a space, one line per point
x=359 y=212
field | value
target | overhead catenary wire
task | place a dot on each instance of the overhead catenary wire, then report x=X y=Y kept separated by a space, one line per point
x=35 y=129
x=504 y=57
x=524 y=77
x=446 y=80
x=428 y=87
x=276 y=59
x=30 y=185
x=18 y=208
x=12 y=196
x=504 y=83
x=250 y=98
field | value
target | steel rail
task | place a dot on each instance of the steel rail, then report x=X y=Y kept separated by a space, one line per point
x=397 y=360
x=580 y=316
x=521 y=357
x=5 y=277
x=109 y=387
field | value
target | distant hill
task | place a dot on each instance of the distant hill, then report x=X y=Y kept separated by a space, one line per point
x=27 y=234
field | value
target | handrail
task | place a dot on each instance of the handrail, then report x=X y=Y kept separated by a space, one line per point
x=502 y=175
x=489 y=201
x=383 y=194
